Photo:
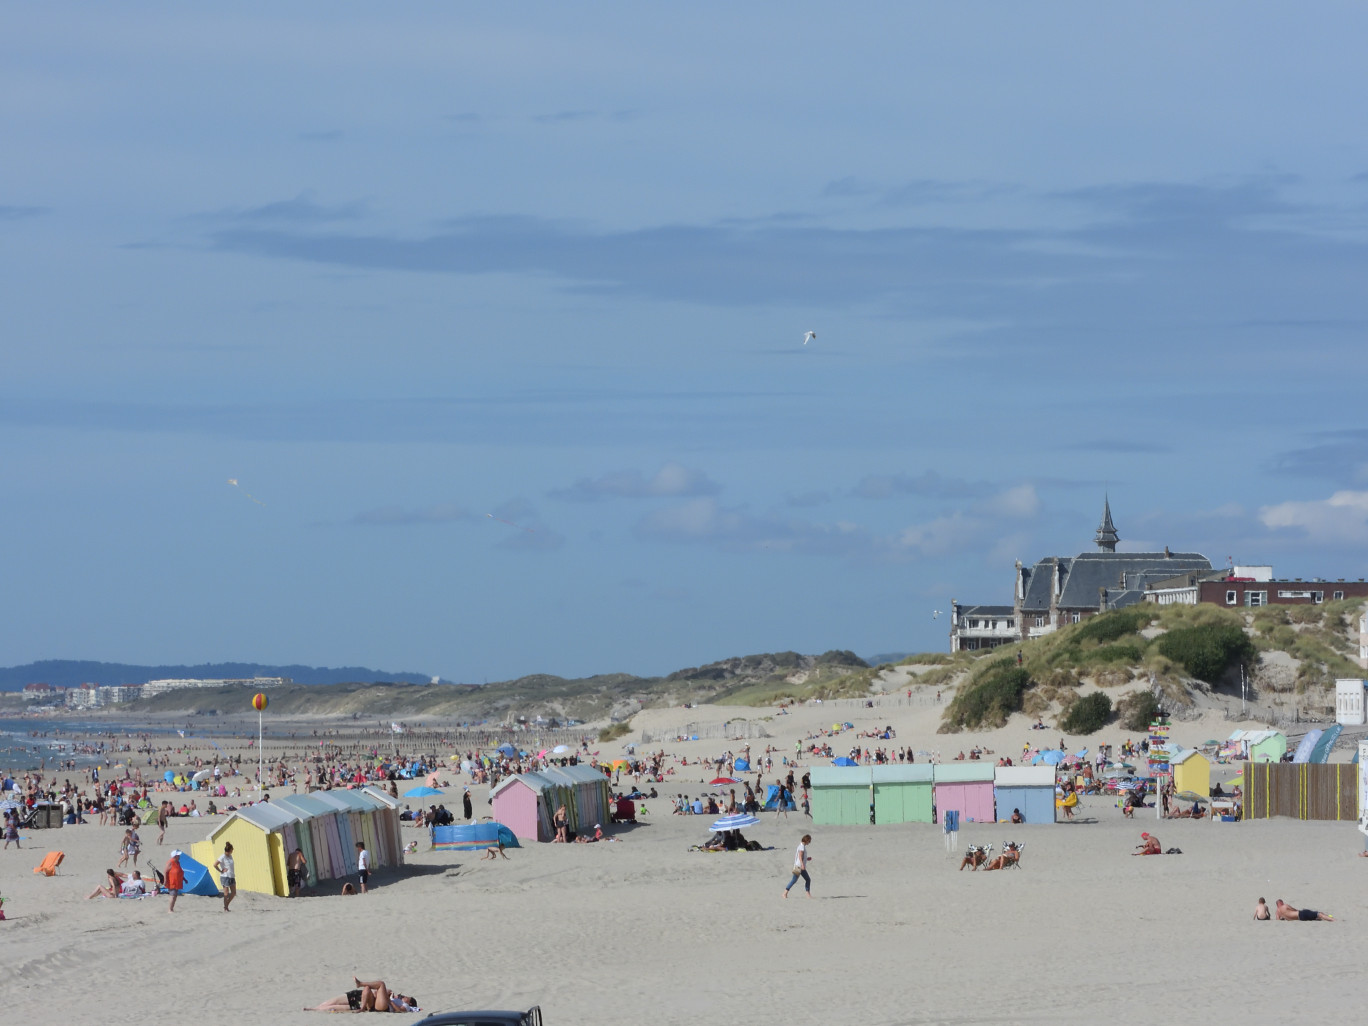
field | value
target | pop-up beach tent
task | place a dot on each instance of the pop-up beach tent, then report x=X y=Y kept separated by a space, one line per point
x=841 y=794
x=198 y=879
x=472 y=837
x=968 y=788
x=902 y=794
x=1028 y=788
x=772 y=799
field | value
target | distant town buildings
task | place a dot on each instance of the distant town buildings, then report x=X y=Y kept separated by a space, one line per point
x=97 y=696
x=1062 y=590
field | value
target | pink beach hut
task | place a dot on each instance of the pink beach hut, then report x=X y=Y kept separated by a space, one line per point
x=968 y=788
x=519 y=804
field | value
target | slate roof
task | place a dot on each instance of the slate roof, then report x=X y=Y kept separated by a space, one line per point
x=1123 y=574
x=986 y=611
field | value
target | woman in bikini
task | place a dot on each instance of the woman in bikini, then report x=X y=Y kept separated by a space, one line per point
x=368 y=997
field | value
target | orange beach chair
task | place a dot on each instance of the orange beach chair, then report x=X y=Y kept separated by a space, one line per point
x=51 y=861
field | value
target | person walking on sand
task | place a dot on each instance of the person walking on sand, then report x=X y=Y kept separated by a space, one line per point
x=466 y=807
x=162 y=819
x=801 y=858
x=227 y=875
x=175 y=879
x=12 y=827
x=362 y=864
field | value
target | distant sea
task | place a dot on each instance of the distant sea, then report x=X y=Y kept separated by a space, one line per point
x=20 y=751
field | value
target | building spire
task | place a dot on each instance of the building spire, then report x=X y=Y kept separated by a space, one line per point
x=1106 y=532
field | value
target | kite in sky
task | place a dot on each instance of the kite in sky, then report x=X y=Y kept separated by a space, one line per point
x=510 y=523
x=809 y=337
x=234 y=482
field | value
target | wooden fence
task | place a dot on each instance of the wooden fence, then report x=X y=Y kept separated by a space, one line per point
x=1301 y=790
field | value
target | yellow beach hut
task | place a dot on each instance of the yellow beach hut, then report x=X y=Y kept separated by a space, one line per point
x=1191 y=772
x=257 y=833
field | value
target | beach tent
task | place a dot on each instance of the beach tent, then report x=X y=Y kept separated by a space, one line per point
x=258 y=835
x=1191 y=771
x=198 y=878
x=741 y=765
x=844 y=760
x=902 y=794
x=841 y=794
x=968 y=788
x=1028 y=788
x=772 y=793
x=472 y=837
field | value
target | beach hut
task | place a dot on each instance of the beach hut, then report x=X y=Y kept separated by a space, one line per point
x=1191 y=771
x=367 y=815
x=389 y=825
x=966 y=787
x=320 y=836
x=1257 y=745
x=258 y=835
x=841 y=794
x=902 y=794
x=526 y=802
x=1028 y=788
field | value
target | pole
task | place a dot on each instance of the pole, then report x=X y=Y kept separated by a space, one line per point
x=260 y=784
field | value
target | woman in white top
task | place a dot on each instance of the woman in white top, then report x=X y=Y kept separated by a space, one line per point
x=227 y=875
x=801 y=858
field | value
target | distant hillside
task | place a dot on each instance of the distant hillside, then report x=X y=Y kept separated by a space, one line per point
x=746 y=680
x=75 y=672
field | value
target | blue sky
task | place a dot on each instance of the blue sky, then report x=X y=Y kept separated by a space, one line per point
x=500 y=317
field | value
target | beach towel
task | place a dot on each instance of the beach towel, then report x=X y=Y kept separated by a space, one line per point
x=50 y=862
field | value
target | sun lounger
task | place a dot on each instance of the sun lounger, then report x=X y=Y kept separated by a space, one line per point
x=50 y=862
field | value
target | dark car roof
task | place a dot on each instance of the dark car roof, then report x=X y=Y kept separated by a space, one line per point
x=485 y=1018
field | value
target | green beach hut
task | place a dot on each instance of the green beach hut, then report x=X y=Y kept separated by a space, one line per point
x=902 y=794
x=841 y=794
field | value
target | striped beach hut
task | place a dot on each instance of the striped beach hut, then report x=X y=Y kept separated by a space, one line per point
x=1028 y=788
x=968 y=788
x=261 y=836
x=364 y=815
x=902 y=794
x=320 y=837
x=841 y=794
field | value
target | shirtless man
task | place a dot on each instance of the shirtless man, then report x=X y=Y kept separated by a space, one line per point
x=1149 y=846
x=1304 y=915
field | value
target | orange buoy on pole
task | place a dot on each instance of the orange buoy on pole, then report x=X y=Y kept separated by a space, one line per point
x=259 y=703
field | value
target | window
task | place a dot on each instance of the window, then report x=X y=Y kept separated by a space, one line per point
x=1256 y=598
x=1232 y=597
x=1011 y=624
x=1339 y=595
x=1318 y=596
x=1040 y=621
x=1074 y=618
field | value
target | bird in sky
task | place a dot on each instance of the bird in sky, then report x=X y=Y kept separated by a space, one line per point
x=935 y=615
x=809 y=337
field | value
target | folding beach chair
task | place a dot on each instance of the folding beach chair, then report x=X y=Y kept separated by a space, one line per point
x=50 y=862
x=1016 y=862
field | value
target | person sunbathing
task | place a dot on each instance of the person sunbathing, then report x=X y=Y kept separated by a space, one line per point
x=110 y=888
x=1149 y=846
x=973 y=858
x=368 y=997
x=1010 y=856
x=1303 y=915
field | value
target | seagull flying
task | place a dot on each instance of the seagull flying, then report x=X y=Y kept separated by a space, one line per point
x=936 y=614
x=809 y=337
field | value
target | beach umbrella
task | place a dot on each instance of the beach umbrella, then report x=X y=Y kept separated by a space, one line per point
x=560 y=749
x=735 y=822
x=421 y=792
x=541 y=754
x=1051 y=758
x=1081 y=755
x=1191 y=796
x=625 y=764
x=507 y=749
x=202 y=775
x=723 y=781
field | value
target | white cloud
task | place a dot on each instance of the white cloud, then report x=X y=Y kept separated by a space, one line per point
x=1341 y=518
x=671 y=480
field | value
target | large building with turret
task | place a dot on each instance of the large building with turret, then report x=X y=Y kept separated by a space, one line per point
x=1061 y=590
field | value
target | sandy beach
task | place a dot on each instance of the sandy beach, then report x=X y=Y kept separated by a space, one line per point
x=644 y=929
